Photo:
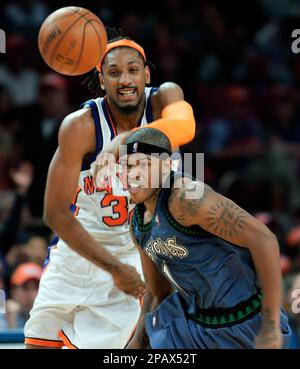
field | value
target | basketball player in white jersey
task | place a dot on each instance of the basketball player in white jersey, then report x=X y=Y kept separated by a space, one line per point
x=92 y=282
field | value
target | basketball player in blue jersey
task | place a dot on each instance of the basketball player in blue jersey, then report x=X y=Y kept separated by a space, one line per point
x=211 y=269
x=90 y=290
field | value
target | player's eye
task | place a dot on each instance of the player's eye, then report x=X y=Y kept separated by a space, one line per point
x=113 y=73
x=134 y=70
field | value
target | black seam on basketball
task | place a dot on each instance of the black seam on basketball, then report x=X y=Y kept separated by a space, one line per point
x=63 y=36
x=88 y=22
x=77 y=11
x=81 y=49
x=97 y=33
x=84 y=15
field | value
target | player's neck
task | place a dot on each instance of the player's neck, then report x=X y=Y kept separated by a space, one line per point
x=150 y=203
x=126 y=121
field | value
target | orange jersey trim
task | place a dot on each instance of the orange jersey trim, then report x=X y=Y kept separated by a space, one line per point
x=42 y=342
x=76 y=196
x=76 y=211
x=66 y=340
x=75 y=201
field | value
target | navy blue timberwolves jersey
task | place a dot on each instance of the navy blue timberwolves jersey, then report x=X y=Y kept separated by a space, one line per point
x=206 y=270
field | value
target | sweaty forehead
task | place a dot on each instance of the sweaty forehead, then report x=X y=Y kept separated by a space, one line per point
x=122 y=55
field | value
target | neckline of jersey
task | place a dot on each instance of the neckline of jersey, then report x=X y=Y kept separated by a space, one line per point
x=111 y=121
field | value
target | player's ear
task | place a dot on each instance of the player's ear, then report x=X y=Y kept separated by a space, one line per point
x=147 y=75
x=101 y=81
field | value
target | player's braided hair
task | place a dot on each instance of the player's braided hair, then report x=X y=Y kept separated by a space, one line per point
x=92 y=80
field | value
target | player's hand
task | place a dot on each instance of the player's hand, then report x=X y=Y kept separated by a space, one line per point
x=110 y=154
x=269 y=338
x=128 y=280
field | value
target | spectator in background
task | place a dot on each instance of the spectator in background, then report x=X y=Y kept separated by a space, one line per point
x=16 y=75
x=24 y=286
x=25 y=16
x=34 y=250
x=280 y=162
x=283 y=121
x=9 y=150
x=41 y=123
x=2 y=283
x=3 y=322
x=235 y=139
x=11 y=217
x=292 y=246
x=37 y=248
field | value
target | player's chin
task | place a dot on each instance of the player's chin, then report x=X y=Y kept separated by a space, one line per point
x=138 y=195
x=130 y=102
x=128 y=106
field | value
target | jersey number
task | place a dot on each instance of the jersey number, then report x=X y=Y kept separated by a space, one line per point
x=119 y=207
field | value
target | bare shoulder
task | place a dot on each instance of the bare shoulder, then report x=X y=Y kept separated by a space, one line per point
x=188 y=189
x=169 y=87
x=78 y=121
x=166 y=94
x=186 y=198
x=78 y=130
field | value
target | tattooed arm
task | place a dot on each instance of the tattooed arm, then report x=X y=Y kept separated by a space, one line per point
x=222 y=217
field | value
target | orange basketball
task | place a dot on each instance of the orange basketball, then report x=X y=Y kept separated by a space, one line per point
x=72 y=40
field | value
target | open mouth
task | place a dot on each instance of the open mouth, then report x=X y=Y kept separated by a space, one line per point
x=126 y=92
x=134 y=187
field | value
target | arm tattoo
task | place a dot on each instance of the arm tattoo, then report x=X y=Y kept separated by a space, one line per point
x=226 y=219
x=190 y=207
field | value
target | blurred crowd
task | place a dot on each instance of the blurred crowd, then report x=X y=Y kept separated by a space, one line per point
x=237 y=69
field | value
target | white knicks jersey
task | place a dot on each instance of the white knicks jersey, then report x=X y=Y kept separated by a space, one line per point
x=103 y=213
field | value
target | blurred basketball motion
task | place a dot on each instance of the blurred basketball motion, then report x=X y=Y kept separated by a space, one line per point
x=72 y=40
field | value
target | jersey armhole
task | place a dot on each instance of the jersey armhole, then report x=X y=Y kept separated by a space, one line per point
x=99 y=136
x=149 y=114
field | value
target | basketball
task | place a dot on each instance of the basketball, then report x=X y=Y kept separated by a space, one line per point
x=72 y=40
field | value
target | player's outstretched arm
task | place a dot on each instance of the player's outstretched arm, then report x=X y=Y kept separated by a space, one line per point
x=76 y=139
x=222 y=217
x=158 y=288
x=175 y=116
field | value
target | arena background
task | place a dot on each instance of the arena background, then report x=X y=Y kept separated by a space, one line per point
x=236 y=66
